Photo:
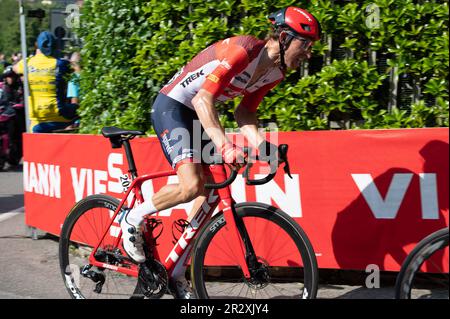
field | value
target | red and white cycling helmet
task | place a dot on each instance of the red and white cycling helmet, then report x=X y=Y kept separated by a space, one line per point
x=297 y=22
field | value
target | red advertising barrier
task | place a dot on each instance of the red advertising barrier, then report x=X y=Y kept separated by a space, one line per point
x=363 y=197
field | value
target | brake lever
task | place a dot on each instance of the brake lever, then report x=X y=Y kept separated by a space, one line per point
x=287 y=170
x=283 y=150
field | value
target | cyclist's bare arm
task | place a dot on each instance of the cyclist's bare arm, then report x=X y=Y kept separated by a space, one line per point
x=248 y=124
x=203 y=103
x=246 y=117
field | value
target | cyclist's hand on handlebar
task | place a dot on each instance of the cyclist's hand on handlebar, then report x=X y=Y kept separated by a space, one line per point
x=233 y=155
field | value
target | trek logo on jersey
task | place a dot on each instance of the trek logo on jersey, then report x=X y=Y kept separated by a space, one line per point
x=213 y=78
x=191 y=78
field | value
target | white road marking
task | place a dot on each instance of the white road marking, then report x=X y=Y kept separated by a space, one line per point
x=11 y=214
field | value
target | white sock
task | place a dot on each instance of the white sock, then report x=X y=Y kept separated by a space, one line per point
x=136 y=216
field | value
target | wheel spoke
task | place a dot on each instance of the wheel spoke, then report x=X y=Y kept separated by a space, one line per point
x=84 y=225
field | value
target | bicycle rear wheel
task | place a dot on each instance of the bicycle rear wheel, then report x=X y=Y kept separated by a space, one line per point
x=287 y=262
x=82 y=231
x=424 y=274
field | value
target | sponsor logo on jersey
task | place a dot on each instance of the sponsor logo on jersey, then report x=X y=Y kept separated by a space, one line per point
x=166 y=131
x=186 y=153
x=213 y=78
x=191 y=78
x=225 y=64
x=238 y=78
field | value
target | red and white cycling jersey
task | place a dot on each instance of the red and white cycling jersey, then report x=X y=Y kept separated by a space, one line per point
x=225 y=69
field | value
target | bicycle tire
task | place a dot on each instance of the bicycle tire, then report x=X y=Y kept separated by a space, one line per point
x=261 y=215
x=426 y=248
x=74 y=249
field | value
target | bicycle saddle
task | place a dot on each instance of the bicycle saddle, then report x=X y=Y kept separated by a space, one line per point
x=112 y=131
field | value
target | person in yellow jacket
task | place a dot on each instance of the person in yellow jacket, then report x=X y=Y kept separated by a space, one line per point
x=48 y=110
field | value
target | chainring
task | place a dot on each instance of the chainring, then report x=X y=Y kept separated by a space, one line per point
x=152 y=280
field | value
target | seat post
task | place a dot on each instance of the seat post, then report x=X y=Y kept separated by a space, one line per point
x=131 y=165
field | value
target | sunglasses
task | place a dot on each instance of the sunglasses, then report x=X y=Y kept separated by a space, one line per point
x=307 y=43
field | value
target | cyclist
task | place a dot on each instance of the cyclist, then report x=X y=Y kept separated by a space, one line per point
x=241 y=65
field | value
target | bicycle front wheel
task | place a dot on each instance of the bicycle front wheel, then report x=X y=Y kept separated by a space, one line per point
x=82 y=231
x=286 y=259
x=424 y=274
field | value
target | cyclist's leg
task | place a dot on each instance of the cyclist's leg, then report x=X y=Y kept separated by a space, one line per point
x=180 y=269
x=174 y=125
x=180 y=135
x=207 y=157
x=181 y=140
x=190 y=186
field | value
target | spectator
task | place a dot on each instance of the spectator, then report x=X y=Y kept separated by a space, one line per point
x=16 y=57
x=13 y=86
x=48 y=110
x=3 y=63
x=14 y=99
x=73 y=88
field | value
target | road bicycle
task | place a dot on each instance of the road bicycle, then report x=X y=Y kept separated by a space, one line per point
x=413 y=281
x=233 y=255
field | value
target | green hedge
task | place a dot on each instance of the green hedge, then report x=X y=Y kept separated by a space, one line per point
x=132 y=47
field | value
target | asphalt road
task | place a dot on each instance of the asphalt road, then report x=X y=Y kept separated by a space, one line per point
x=30 y=268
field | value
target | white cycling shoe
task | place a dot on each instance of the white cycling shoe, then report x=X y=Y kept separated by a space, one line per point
x=133 y=240
x=181 y=289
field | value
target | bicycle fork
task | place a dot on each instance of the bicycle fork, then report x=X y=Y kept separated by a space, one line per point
x=237 y=231
x=236 y=228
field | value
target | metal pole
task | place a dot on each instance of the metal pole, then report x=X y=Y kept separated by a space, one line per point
x=25 y=66
x=393 y=89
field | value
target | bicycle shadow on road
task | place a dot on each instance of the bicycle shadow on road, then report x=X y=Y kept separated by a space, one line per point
x=360 y=239
x=389 y=293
